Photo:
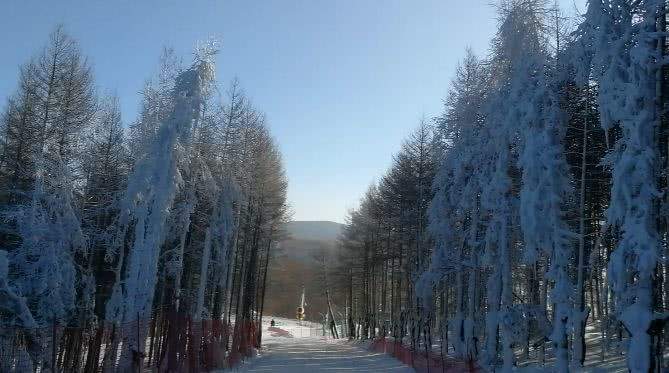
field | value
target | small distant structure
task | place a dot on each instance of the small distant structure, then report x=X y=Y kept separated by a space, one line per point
x=300 y=309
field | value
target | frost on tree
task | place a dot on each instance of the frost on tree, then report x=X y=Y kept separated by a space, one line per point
x=454 y=211
x=626 y=60
x=50 y=231
x=151 y=191
x=16 y=307
x=544 y=197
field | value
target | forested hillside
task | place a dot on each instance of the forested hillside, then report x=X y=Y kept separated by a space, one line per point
x=303 y=260
x=313 y=230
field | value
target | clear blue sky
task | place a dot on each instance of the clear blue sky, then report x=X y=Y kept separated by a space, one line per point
x=342 y=81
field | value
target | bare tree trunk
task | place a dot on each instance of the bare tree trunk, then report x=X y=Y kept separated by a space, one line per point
x=579 y=315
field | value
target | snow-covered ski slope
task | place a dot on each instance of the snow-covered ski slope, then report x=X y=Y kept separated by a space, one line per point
x=291 y=347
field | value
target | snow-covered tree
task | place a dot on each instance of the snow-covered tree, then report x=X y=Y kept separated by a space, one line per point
x=157 y=103
x=41 y=160
x=626 y=62
x=455 y=207
x=149 y=197
x=545 y=197
x=520 y=33
x=43 y=266
x=106 y=165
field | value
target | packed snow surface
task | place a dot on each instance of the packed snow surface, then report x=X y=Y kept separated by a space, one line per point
x=291 y=347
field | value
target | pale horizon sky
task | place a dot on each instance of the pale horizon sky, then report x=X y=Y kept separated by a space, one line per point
x=342 y=82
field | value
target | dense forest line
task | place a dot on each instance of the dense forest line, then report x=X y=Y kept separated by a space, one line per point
x=110 y=223
x=534 y=207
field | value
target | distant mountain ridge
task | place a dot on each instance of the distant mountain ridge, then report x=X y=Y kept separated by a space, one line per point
x=314 y=230
x=297 y=264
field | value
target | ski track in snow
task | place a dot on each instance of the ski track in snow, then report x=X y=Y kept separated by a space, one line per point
x=305 y=350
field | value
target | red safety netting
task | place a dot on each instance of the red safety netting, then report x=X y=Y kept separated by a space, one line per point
x=421 y=361
x=169 y=342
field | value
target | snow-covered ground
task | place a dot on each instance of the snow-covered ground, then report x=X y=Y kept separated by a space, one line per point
x=291 y=347
x=611 y=360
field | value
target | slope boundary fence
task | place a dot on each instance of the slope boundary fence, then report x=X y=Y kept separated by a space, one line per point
x=171 y=343
x=423 y=362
